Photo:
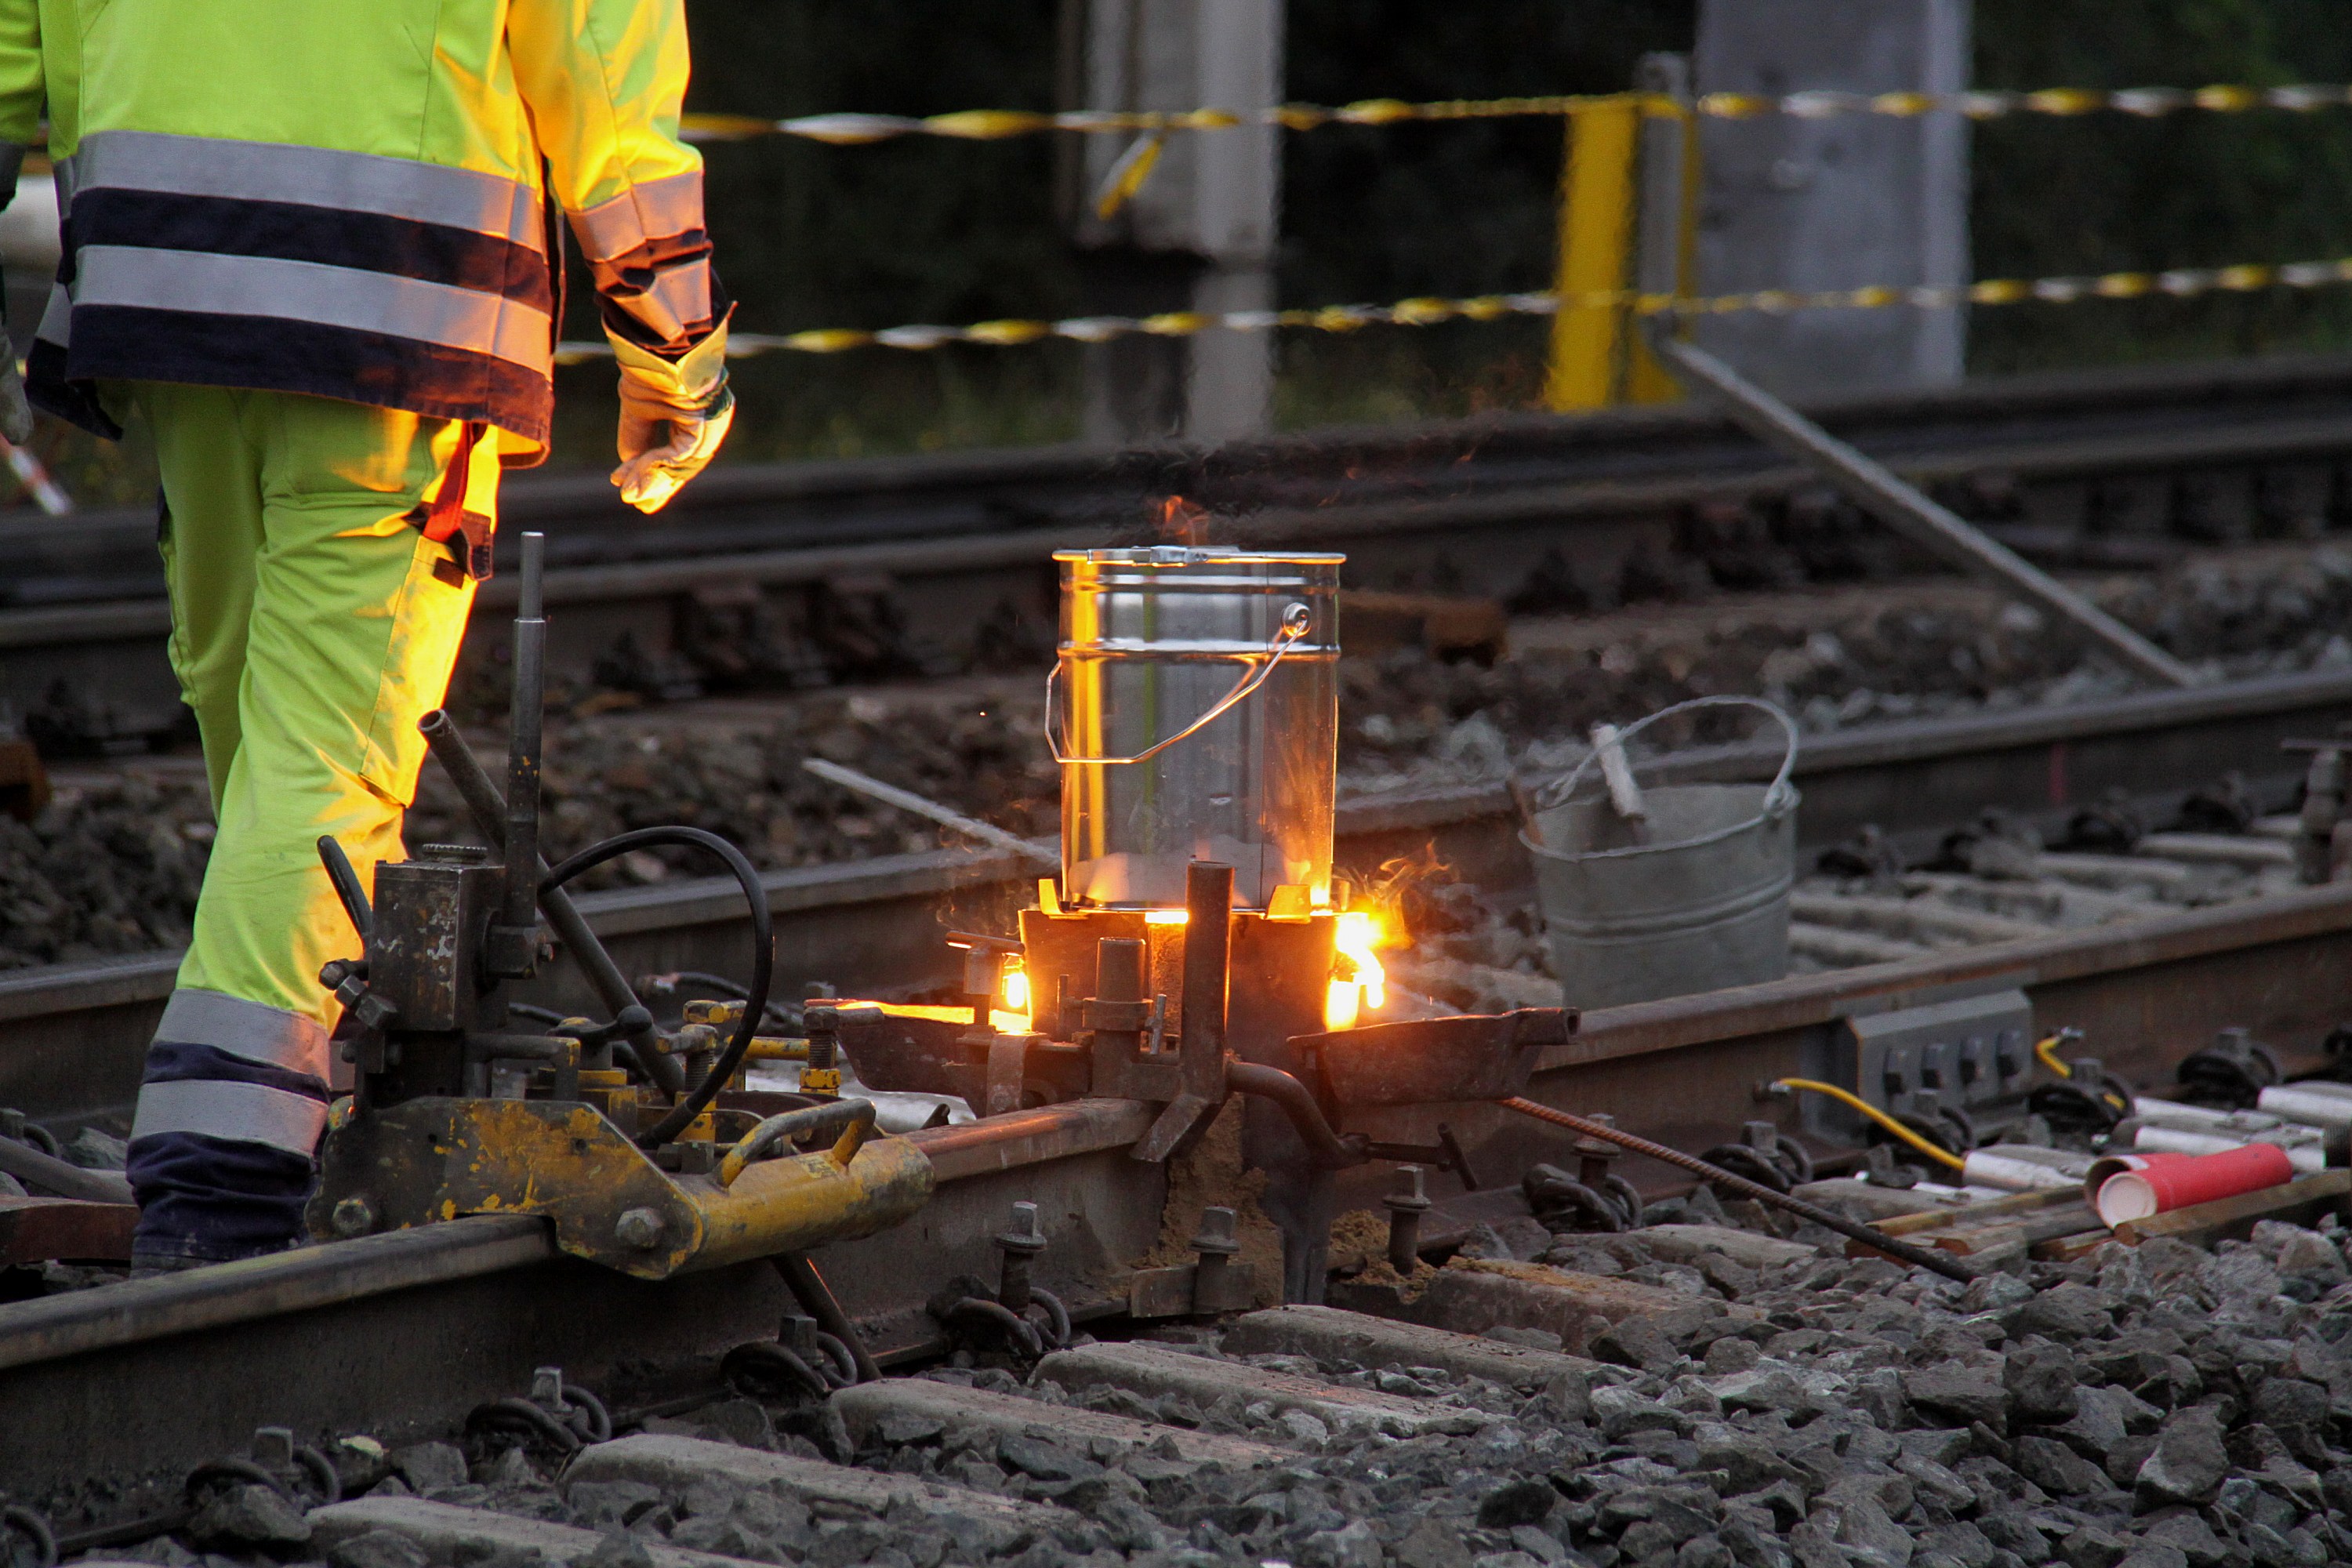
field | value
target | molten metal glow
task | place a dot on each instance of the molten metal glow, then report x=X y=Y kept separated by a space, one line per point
x=1004 y=1022
x=1357 y=980
x=1357 y=936
x=1166 y=917
x=1016 y=989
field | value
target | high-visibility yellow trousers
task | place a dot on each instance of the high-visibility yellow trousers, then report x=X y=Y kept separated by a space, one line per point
x=312 y=625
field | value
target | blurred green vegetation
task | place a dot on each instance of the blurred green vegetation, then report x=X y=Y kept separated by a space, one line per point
x=930 y=230
x=2111 y=192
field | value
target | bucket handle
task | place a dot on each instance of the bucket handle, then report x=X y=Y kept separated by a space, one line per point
x=1295 y=620
x=1773 y=796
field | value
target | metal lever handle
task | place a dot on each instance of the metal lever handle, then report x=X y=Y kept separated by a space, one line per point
x=855 y=1117
x=1295 y=622
x=346 y=882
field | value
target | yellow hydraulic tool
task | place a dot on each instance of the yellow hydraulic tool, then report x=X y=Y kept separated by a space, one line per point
x=437 y=1158
x=643 y=1146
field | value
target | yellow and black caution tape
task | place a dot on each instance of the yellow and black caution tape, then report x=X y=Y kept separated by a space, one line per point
x=2181 y=283
x=997 y=124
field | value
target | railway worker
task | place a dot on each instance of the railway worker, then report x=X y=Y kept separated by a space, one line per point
x=306 y=247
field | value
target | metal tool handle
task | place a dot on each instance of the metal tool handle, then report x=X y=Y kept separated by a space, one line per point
x=520 y=906
x=1296 y=621
x=1775 y=796
x=346 y=882
x=854 y=1117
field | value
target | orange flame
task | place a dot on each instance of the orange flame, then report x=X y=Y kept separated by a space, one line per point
x=1181 y=522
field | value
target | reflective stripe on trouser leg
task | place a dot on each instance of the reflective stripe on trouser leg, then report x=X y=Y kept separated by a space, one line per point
x=310 y=633
x=220 y=1148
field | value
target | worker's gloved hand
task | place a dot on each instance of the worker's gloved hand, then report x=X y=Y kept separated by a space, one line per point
x=674 y=415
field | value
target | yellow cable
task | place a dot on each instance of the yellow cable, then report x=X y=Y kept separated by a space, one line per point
x=2046 y=1053
x=1857 y=1102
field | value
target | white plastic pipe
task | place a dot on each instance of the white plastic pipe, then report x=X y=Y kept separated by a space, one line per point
x=2306 y=1156
x=2015 y=1168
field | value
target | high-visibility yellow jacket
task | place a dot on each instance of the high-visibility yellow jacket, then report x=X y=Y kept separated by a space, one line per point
x=345 y=198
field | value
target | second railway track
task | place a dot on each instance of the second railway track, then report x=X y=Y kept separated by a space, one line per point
x=930 y=558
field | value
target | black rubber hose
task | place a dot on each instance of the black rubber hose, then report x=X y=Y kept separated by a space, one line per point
x=763 y=957
x=1297 y=1102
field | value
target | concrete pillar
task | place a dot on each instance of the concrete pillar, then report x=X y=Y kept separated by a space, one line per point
x=1199 y=235
x=1839 y=202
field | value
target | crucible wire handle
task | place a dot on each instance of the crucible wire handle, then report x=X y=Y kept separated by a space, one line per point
x=1296 y=621
x=1558 y=792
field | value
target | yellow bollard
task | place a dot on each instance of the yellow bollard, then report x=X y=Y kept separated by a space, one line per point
x=1596 y=247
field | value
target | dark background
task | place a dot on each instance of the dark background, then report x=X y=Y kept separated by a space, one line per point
x=933 y=230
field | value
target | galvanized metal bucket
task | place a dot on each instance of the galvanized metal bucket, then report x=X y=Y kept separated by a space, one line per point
x=1194 y=709
x=1704 y=904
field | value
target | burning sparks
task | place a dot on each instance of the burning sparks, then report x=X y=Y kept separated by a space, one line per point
x=1181 y=522
x=1359 y=982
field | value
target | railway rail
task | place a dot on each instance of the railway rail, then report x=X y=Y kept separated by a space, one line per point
x=238 y=1401
x=2083 y=470
x=398 y=1334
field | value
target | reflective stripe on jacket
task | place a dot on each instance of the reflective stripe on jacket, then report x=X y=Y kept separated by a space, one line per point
x=344 y=198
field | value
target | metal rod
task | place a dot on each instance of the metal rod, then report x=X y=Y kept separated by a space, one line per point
x=346 y=880
x=488 y=810
x=1900 y=505
x=1297 y=1101
x=816 y=1299
x=1941 y=1263
x=62 y=1177
x=907 y=800
x=1207 y=940
x=524 y=724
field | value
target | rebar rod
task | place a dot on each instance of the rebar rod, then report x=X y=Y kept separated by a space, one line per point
x=946 y=817
x=1941 y=1263
x=1874 y=488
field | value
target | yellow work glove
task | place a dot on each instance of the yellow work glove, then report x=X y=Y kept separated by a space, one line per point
x=674 y=415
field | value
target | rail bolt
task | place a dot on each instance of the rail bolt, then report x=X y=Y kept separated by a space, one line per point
x=640 y=1228
x=1595 y=1155
x=1215 y=1245
x=1220 y=1234
x=1406 y=1203
x=797 y=1333
x=352 y=1217
x=1020 y=1244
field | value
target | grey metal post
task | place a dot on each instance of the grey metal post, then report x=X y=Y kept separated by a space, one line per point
x=1199 y=235
x=1838 y=201
x=1873 y=488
